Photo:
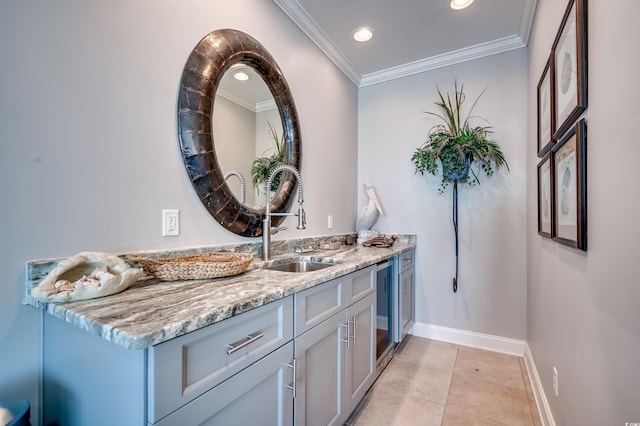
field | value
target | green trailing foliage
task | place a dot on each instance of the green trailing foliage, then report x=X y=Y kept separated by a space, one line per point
x=262 y=166
x=454 y=145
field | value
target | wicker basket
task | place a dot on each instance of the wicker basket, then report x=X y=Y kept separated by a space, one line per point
x=197 y=267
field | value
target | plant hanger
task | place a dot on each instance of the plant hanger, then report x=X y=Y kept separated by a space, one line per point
x=455 y=229
x=452 y=147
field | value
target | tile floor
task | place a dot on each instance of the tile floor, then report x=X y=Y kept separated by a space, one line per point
x=429 y=382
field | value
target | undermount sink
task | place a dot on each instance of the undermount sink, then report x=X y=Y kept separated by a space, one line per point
x=303 y=264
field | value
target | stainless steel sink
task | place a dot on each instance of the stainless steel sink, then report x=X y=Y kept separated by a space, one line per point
x=303 y=264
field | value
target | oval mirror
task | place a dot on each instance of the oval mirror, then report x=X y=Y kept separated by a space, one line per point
x=209 y=61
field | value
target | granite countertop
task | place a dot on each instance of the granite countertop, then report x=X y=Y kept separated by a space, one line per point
x=154 y=311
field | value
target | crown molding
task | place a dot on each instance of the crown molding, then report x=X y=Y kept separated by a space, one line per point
x=462 y=55
x=266 y=105
x=238 y=100
x=526 y=20
x=302 y=19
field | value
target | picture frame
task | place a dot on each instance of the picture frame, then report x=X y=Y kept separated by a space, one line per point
x=545 y=198
x=569 y=53
x=546 y=109
x=569 y=163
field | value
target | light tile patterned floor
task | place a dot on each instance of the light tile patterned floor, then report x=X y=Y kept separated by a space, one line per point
x=429 y=382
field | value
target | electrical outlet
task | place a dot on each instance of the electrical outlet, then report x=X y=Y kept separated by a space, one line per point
x=170 y=223
x=555 y=381
x=330 y=221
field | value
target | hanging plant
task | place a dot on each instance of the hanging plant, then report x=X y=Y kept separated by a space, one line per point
x=453 y=145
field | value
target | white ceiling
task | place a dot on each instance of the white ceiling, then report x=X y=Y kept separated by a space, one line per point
x=410 y=36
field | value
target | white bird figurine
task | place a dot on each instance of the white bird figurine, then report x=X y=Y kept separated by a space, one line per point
x=369 y=214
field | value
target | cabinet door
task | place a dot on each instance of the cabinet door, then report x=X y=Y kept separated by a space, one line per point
x=361 y=355
x=407 y=285
x=259 y=395
x=320 y=360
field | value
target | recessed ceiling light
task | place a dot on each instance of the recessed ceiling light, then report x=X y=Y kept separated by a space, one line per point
x=239 y=71
x=241 y=75
x=460 y=4
x=362 y=34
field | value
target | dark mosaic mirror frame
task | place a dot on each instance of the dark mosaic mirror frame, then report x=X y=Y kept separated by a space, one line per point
x=207 y=63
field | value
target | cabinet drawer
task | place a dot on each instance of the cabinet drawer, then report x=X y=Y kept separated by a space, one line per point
x=259 y=395
x=316 y=304
x=363 y=282
x=407 y=260
x=185 y=367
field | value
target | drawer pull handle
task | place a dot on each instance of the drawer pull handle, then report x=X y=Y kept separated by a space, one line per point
x=354 y=329
x=348 y=332
x=294 y=367
x=236 y=346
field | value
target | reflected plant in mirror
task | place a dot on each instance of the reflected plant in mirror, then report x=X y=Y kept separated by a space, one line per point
x=262 y=166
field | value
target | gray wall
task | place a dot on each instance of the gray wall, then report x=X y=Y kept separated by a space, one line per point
x=88 y=149
x=583 y=315
x=491 y=298
x=234 y=138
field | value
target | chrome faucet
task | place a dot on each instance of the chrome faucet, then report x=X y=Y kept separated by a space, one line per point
x=242 y=184
x=266 y=223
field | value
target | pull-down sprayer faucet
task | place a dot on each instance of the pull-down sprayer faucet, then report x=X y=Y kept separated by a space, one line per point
x=242 y=184
x=266 y=223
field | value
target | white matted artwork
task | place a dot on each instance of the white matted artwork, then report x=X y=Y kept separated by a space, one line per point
x=569 y=205
x=567 y=69
x=545 y=198
x=566 y=188
x=546 y=110
x=570 y=67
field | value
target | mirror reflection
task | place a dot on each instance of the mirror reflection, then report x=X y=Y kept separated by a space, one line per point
x=248 y=134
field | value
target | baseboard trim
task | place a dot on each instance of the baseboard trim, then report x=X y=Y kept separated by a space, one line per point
x=546 y=418
x=496 y=344
x=470 y=338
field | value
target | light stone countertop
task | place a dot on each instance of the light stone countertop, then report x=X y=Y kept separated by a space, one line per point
x=153 y=311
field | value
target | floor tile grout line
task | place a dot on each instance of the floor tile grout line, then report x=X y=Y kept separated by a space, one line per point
x=453 y=371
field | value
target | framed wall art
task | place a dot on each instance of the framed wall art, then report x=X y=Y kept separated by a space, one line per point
x=545 y=199
x=569 y=53
x=569 y=183
x=546 y=109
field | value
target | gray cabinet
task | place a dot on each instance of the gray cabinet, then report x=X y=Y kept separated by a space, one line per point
x=261 y=394
x=334 y=351
x=85 y=377
x=406 y=293
x=305 y=359
x=186 y=367
x=320 y=363
x=361 y=350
